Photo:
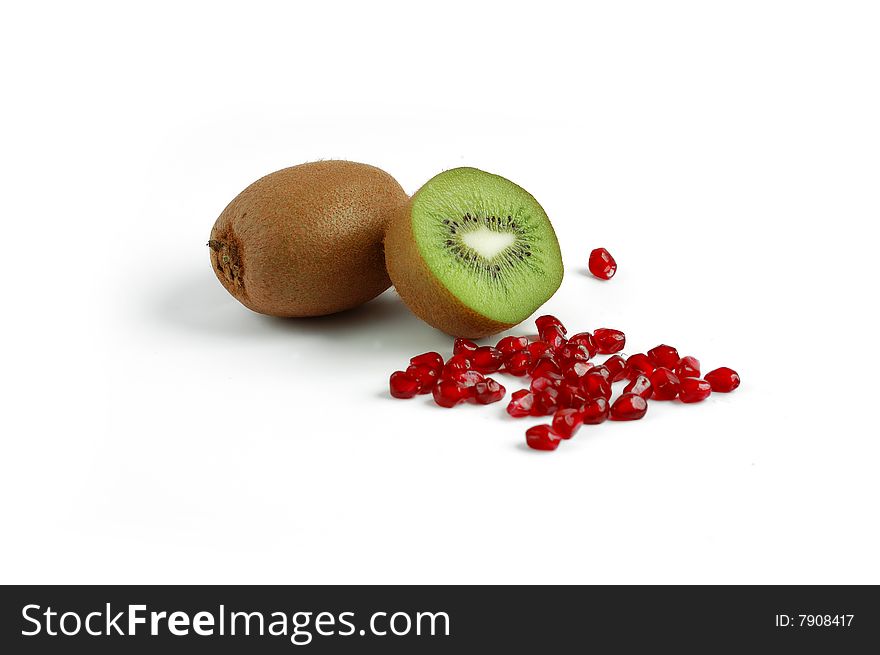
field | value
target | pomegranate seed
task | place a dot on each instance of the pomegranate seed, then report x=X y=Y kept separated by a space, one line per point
x=546 y=402
x=638 y=364
x=687 y=367
x=467 y=379
x=519 y=363
x=425 y=375
x=586 y=340
x=554 y=336
x=546 y=367
x=488 y=392
x=449 y=393
x=547 y=321
x=432 y=360
x=664 y=355
x=573 y=352
x=616 y=365
x=542 y=437
x=572 y=396
x=723 y=379
x=510 y=345
x=463 y=346
x=601 y=370
x=486 y=359
x=629 y=407
x=602 y=264
x=566 y=422
x=538 y=348
x=609 y=341
x=575 y=371
x=455 y=364
x=665 y=383
x=521 y=403
x=594 y=411
x=596 y=386
x=403 y=385
x=541 y=383
x=693 y=390
x=640 y=386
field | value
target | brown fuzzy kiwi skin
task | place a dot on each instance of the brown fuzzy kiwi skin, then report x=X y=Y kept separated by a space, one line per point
x=307 y=240
x=422 y=292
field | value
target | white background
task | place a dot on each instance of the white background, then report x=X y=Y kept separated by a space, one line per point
x=154 y=430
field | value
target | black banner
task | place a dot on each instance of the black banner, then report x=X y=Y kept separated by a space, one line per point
x=392 y=619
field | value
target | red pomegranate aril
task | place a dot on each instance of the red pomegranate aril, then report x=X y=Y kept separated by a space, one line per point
x=519 y=363
x=576 y=370
x=629 y=407
x=538 y=348
x=687 y=367
x=601 y=370
x=403 y=385
x=665 y=383
x=463 y=346
x=546 y=367
x=540 y=383
x=449 y=393
x=595 y=411
x=638 y=364
x=664 y=355
x=466 y=379
x=488 y=391
x=547 y=321
x=546 y=402
x=432 y=360
x=455 y=364
x=693 y=390
x=586 y=340
x=571 y=352
x=596 y=386
x=572 y=396
x=521 y=403
x=723 y=380
x=511 y=345
x=616 y=365
x=641 y=386
x=542 y=437
x=426 y=376
x=554 y=336
x=602 y=264
x=486 y=359
x=566 y=422
x=609 y=341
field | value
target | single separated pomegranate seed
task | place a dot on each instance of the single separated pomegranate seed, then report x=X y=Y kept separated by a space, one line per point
x=665 y=384
x=488 y=391
x=571 y=396
x=554 y=336
x=693 y=390
x=602 y=264
x=609 y=341
x=723 y=380
x=540 y=383
x=403 y=385
x=546 y=402
x=486 y=359
x=638 y=364
x=664 y=355
x=572 y=352
x=687 y=367
x=521 y=403
x=586 y=340
x=629 y=407
x=426 y=376
x=616 y=365
x=432 y=360
x=542 y=437
x=519 y=363
x=595 y=385
x=566 y=422
x=467 y=379
x=456 y=364
x=640 y=386
x=574 y=371
x=463 y=346
x=547 y=321
x=510 y=345
x=545 y=367
x=449 y=393
x=595 y=411
x=538 y=348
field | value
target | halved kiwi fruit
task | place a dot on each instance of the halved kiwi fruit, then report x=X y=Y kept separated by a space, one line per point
x=472 y=253
x=307 y=240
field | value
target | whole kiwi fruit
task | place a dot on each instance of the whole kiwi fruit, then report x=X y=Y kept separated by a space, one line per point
x=307 y=240
x=472 y=253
